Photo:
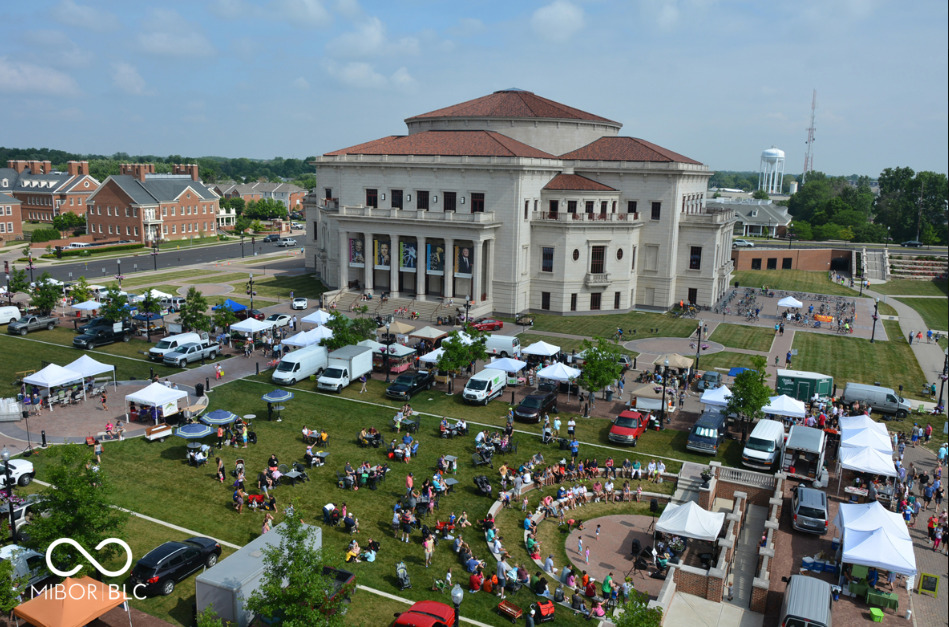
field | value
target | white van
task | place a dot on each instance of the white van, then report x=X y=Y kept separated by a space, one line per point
x=76 y=245
x=484 y=386
x=9 y=314
x=883 y=400
x=764 y=446
x=299 y=365
x=171 y=344
x=503 y=346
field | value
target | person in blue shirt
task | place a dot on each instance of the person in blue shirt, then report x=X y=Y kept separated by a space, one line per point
x=529 y=525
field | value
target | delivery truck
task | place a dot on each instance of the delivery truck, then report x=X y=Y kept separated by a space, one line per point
x=804 y=453
x=300 y=365
x=803 y=385
x=883 y=400
x=344 y=366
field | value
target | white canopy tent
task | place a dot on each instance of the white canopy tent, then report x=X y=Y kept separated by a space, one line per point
x=318 y=317
x=862 y=421
x=558 y=372
x=507 y=364
x=155 y=294
x=541 y=349
x=873 y=536
x=691 y=521
x=867 y=459
x=158 y=395
x=87 y=305
x=427 y=333
x=301 y=339
x=89 y=367
x=377 y=347
x=717 y=397
x=321 y=333
x=784 y=405
x=869 y=437
x=432 y=357
x=790 y=301
x=250 y=325
x=53 y=376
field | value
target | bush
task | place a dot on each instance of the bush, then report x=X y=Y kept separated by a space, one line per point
x=85 y=252
x=45 y=235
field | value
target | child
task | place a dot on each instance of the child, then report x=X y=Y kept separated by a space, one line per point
x=597 y=533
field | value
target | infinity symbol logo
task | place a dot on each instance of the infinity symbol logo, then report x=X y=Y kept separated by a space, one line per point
x=92 y=560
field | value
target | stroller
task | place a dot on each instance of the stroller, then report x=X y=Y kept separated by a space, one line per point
x=403 y=574
x=483 y=457
x=484 y=485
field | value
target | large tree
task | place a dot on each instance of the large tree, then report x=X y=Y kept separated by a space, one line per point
x=77 y=505
x=114 y=304
x=69 y=221
x=46 y=294
x=601 y=365
x=749 y=393
x=265 y=209
x=80 y=290
x=223 y=317
x=459 y=353
x=194 y=311
x=19 y=282
x=347 y=332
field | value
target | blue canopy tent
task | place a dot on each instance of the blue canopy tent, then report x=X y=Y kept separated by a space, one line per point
x=230 y=304
x=734 y=372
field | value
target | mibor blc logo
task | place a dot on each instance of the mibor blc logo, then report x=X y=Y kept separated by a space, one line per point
x=77 y=591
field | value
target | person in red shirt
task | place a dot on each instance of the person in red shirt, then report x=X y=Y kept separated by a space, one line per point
x=475 y=581
x=821 y=420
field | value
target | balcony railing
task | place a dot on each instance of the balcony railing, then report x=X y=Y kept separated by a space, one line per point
x=599 y=279
x=562 y=216
x=413 y=214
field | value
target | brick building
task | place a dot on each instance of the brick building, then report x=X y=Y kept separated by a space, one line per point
x=289 y=194
x=142 y=206
x=11 y=226
x=44 y=192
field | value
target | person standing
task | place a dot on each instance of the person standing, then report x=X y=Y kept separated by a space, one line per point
x=105 y=402
x=787 y=359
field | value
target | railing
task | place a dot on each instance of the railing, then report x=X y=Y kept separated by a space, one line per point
x=414 y=214
x=597 y=279
x=562 y=216
x=737 y=475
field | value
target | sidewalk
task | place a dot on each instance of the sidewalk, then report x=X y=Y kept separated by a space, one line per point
x=931 y=357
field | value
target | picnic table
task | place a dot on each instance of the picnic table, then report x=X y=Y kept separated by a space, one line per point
x=450 y=484
x=882 y=599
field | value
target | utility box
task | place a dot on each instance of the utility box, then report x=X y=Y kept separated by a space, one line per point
x=803 y=385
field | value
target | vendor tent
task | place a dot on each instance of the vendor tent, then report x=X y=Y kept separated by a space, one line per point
x=84 y=601
x=790 y=301
x=230 y=304
x=158 y=395
x=873 y=536
x=426 y=333
x=320 y=316
x=251 y=325
x=321 y=333
x=377 y=347
x=87 y=305
x=397 y=327
x=867 y=517
x=862 y=421
x=717 y=397
x=541 y=349
x=558 y=372
x=432 y=357
x=867 y=459
x=53 y=376
x=691 y=521
x=155 y=294
x=675 y=360
x=89 y=367
x=507 y=364
x=784 y=405
x=303 y=338
x=870 y=437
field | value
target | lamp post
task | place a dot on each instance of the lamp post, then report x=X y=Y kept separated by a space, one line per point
x=876 y=315
x=5 y=454
x=155 y=256
x=385 y=358
x=698 y=346
x=9 y=295
x=769 y=228
x=457 y=596
x=29 y=263
x=467 y=307
x=250 y=291
x=886 y=244
x=118 y=272
x=665 y=382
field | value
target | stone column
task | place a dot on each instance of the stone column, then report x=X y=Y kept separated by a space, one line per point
x=448 y=282
x=489 y=269
x=343 y=259
x=421 y=266
x=478 y=249
x=396 y=258
x=370 y=260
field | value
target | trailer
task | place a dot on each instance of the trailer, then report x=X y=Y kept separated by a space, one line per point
x=803 y=385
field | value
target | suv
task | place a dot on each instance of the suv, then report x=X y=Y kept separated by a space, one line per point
x=536 y=405
x=627 y=428
x=166 y=565
x=809 y=510
x=709 y=381
x=273 y=237
x=742 y=243
x=287 y=241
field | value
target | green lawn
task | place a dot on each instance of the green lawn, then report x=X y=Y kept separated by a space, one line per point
x=222 y=277
x=154 y=278
x=281 y=286
x=906 y=287
x=636 y=325
x=887 y=310
x=848 y=358
x=935 y=311
x=566 y=344
x=725 y=360
x=790 y=280
x=744 y=337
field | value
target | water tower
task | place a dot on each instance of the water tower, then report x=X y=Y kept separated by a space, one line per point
x=771 y=172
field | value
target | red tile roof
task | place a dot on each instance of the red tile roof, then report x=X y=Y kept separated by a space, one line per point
x=448 y=144
x=625 y=149
x=575 y=182
x=512 y=103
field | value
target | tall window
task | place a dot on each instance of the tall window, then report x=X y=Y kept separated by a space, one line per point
x=421 y=200
x=595 y=299
x=656 y=210
x=616 y=300
x=547 y=260
x=756 y=263
x=598 y=260
x=477 y=203
x=545 y=300
x=603 y=206
x=695 y=258
x=554 y=207
x=397 y=199
x=573 y=302
x=527 y=208
x=571 y=206
x=633 y=266
x=451 y=198
x=327 y=192
x=372 y=198
x=588 y=207
x=693 y=295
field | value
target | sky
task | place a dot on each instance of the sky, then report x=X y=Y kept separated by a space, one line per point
x=716 y=80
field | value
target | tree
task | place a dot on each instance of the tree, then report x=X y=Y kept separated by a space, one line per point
x=193 y=314
x=637 y=613
x=265 y=209
x=347 y=332
x=46 y=294
x=241 y=224
x=801 y=229
x=9 y=595
x=293 y=591
x=749 y=393
x=18 y=282
x=80 y=290
x=760 y=194
x=257 y=226
x=77 y=505
x=223 y=317
x=601 y=365
x=114 y=304
x=208 y=617
x=68 y=221
x=458 y=354
x=149 y=305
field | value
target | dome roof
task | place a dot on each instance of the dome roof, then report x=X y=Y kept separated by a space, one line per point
x=512 y=103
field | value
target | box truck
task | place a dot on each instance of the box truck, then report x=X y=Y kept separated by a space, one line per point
x=804 y=453
x=764 y=446
x=300 y=365
x=344 y=366
x=803 y=385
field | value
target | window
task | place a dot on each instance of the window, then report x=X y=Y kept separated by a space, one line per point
x=772 y=263
x=695 y=258
x=545 y=300
x=786 y=263
x=619 y=254
x=527 y=208
x=693 y=295
x=397 y=199
x=316 y=230
x=553 y=207
x=756 y=264
x=128 y=231
x=616 y=300
x=79 y=200
x=451 y=198
x=598 y=260
x=477 y=203
x=134 y=212
x=174 y=209
x=110 y=229
x=595 y=299
x=547 y=260
x=174 y=229
x=656 y=210
x=576 y=254
x=164 y=212
x=421 y=200
x=588 y=207
x=573 y=302
x=603 y=206
x=327 y=192
x=136 y=230
x=571 y=206
x=372 y=198
x=108 y=211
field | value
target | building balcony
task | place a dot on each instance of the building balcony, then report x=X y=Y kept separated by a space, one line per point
x=376 y=214
x=587 y=218
x=151 y=217
x=709 y=215
x=599 y=279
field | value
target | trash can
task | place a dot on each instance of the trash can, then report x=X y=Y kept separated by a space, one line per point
x=199 y=390
x=609 y=395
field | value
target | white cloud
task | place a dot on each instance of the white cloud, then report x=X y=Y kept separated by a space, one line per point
x=167 y=33
x=348 y=8
x=62 y=50
x=558 y=21
x=31 y=79
x=664 y=13
x=301 y=83
x=303 y=12
x=127 y=78
x=356 y=74
x=232 y=9
x=371 y=40
x=467 y=27
x=401 y=79
x=72 y=14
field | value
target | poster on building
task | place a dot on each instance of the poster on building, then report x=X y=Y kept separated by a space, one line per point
x=464 y=262
x=381 y=253
x=407 y=256
x=357 y=254
x=435 y=259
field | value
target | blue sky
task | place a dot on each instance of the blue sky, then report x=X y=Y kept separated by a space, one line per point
x=716 y=80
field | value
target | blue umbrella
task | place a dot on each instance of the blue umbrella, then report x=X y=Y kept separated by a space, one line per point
x=734 y=372
x=219 y=417
x=144 y=317
x=277 y=396
x=194 y=431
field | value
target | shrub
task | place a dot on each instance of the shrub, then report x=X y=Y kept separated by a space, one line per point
x=45 y=235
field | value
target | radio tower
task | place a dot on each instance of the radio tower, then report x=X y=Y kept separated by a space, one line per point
x=809 y=155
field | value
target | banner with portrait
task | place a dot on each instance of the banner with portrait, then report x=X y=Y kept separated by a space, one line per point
x=435 y=259
x=464 y=261
x=382 y=253
x=357 y=253
x=408 y=256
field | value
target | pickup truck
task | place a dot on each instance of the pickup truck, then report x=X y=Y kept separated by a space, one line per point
x=192 y=352
x=31 y=323
x=411 y=383
x=100 y=336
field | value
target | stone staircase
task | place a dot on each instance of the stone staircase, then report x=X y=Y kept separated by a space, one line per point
x=428 y=309
x=689 y=483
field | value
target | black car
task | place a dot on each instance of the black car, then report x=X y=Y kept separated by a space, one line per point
x=168 y=564
x=410 y=383
x=94 y=324
x=536 y=405
x=913 y=243
x=273 y=237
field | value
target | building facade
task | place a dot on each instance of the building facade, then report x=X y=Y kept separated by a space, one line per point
x=141 y=206
x=287 y=193
x=11 y=225
x=523 y=204
x=44 y=192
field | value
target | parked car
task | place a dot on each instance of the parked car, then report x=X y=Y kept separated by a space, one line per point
x=535 y=405
x=278 y=319
x=627 y=427
x=913 y=243
x=709 y=381
x=21 y=472
x=426 y=614
x=487 y=324
x=163 y=567
x=273 y=237
x=287 y=241
x=409 y=384
x=300 y=303
x=244 y=314
x=742 y=243
x=809 y=510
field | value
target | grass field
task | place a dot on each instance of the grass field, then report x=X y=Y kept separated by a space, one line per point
x=222 y=277
x=935 y=311
x=906 y=287
x=725 y=360
x=281 y=286
x=154 y=279
x=636 y=325
x=791 y=280
x=848 y=358
x=887 y=310
x=744 y=337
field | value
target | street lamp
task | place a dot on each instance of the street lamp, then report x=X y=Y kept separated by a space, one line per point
x=155 y=256
x=467 y=307
x=9 y=295
x=769 y=228
x=5 y=454
x=665 y=382
x=457 y=596
x=876 y=315
x=385 y=358
x=886 y=244
x=29 y=264
x=118 y=272
x=698 y=346
x=250 y=290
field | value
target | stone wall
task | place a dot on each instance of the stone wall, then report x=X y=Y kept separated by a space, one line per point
x=762 y=581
